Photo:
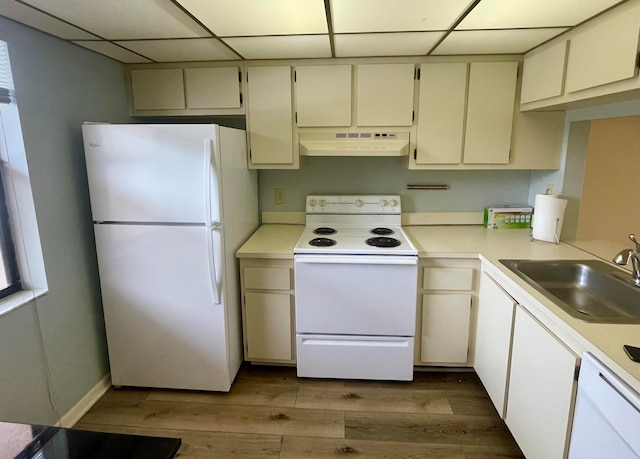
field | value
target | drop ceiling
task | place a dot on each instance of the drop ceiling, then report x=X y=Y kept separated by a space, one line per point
x=139 y=31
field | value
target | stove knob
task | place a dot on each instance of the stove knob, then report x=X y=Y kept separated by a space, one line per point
x=384 y=202
x=313 y=203
x=359 y=203
x=323 y=203
x=394 y=202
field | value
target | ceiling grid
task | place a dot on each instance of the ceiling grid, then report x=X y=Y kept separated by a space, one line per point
x=218 y=30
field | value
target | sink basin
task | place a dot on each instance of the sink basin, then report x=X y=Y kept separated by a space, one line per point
x=590 y=290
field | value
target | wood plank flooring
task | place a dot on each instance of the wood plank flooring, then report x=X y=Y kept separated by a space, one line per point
x=270 y=413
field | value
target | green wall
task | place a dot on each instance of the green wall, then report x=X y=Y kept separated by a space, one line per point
x=58 y=86
x=469 y=191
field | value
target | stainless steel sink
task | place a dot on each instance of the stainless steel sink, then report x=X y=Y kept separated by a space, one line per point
x=590 y=290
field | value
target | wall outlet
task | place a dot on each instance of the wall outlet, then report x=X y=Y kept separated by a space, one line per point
x=280 y=195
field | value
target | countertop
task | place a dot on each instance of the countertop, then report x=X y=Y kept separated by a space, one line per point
x=491 y=245
x=271 y=241
x=25 y=441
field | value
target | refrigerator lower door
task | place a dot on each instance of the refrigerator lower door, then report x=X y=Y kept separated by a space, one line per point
x=163 y=328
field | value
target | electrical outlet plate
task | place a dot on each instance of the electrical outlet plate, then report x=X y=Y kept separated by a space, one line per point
x=280 y=195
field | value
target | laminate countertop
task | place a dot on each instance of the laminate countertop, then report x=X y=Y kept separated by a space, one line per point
x=26 y=441
x=605 y=341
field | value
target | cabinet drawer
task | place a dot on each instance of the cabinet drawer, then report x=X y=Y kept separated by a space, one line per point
x=447 y=279
x=267 y=278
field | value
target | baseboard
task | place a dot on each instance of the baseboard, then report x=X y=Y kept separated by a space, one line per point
x=79 y=409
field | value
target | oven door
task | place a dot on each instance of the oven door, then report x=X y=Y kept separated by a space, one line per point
x=356 y=294
x=355 y=316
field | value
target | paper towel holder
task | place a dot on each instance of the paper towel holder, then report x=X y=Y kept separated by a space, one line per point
x=555 y=234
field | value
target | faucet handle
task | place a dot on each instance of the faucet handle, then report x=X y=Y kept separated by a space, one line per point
x=633 y=239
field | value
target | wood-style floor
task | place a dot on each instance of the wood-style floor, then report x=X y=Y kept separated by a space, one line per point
x=270 y=413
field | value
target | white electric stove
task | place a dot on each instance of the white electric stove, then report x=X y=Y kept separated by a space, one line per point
x=355 y=280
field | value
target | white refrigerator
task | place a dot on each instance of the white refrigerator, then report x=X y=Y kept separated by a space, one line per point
x=171 y=204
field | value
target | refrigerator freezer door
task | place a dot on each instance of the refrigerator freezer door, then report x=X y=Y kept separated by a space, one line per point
x=151 y=172
x=163 y=328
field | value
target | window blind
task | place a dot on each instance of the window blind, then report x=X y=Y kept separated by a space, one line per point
x=6 y=82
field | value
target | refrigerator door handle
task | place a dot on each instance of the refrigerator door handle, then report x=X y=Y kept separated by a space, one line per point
x=213 y=277
x=213 y=203
x=208 y=165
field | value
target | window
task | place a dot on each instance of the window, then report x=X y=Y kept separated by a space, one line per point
x=9 y=275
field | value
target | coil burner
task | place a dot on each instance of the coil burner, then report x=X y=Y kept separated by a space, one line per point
x=383 y=242
x=322 y=242
x=382 y=231
x=323 y=230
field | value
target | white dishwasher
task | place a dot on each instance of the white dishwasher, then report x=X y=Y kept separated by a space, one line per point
x=607 y=417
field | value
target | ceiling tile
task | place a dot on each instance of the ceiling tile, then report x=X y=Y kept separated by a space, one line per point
x=113 y=51
x=234 y=18
x=286 y=47
x=42 y=21
x=124 y=19
x=395 y=16
x=386 y=44
x=494 y=41
x=189 y=49
x=510 y=14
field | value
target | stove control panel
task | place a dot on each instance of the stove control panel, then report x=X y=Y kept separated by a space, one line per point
x=354 y=204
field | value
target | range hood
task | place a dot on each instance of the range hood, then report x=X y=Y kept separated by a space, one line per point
x=354 y=143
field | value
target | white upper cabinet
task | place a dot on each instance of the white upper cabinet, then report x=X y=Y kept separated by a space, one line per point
x=213 y=87
x=384 y=95
x=323 y=95
x=157 y=89
x=441 y=110
x=605 y=51
x=543 y=73
x=490 y=106
x=270 y=116
x=186 y=89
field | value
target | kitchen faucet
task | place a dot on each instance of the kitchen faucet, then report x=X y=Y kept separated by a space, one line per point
x=629 y=254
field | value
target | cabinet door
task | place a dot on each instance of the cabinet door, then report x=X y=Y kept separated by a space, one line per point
x=445 y=328
x=441 y=106
x=323 y=95
x=490 y=105
x=494 y=324
x=541 y=389
x=543 y=73
x=605 y=51
x=157 y=89
x=268 y=326
x=269 y=119
x=385 y=95
x=215 y=87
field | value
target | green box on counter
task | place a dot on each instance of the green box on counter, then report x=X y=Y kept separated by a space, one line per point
x=508 y=217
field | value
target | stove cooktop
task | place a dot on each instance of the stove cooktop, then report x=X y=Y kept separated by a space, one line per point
x=354 y=240
x=354 y=225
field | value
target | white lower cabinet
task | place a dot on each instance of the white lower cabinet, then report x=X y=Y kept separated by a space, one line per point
x=268 y=310
x=528 y=372
x=542 y=389
x=494 y=324
x=445 y=315
x=445 y=328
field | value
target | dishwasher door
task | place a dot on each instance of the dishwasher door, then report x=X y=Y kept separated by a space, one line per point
x=606 y=423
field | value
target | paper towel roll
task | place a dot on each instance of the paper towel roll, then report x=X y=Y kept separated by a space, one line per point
x=547 y=217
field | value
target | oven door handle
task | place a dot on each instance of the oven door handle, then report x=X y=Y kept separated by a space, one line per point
x=357 y=259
